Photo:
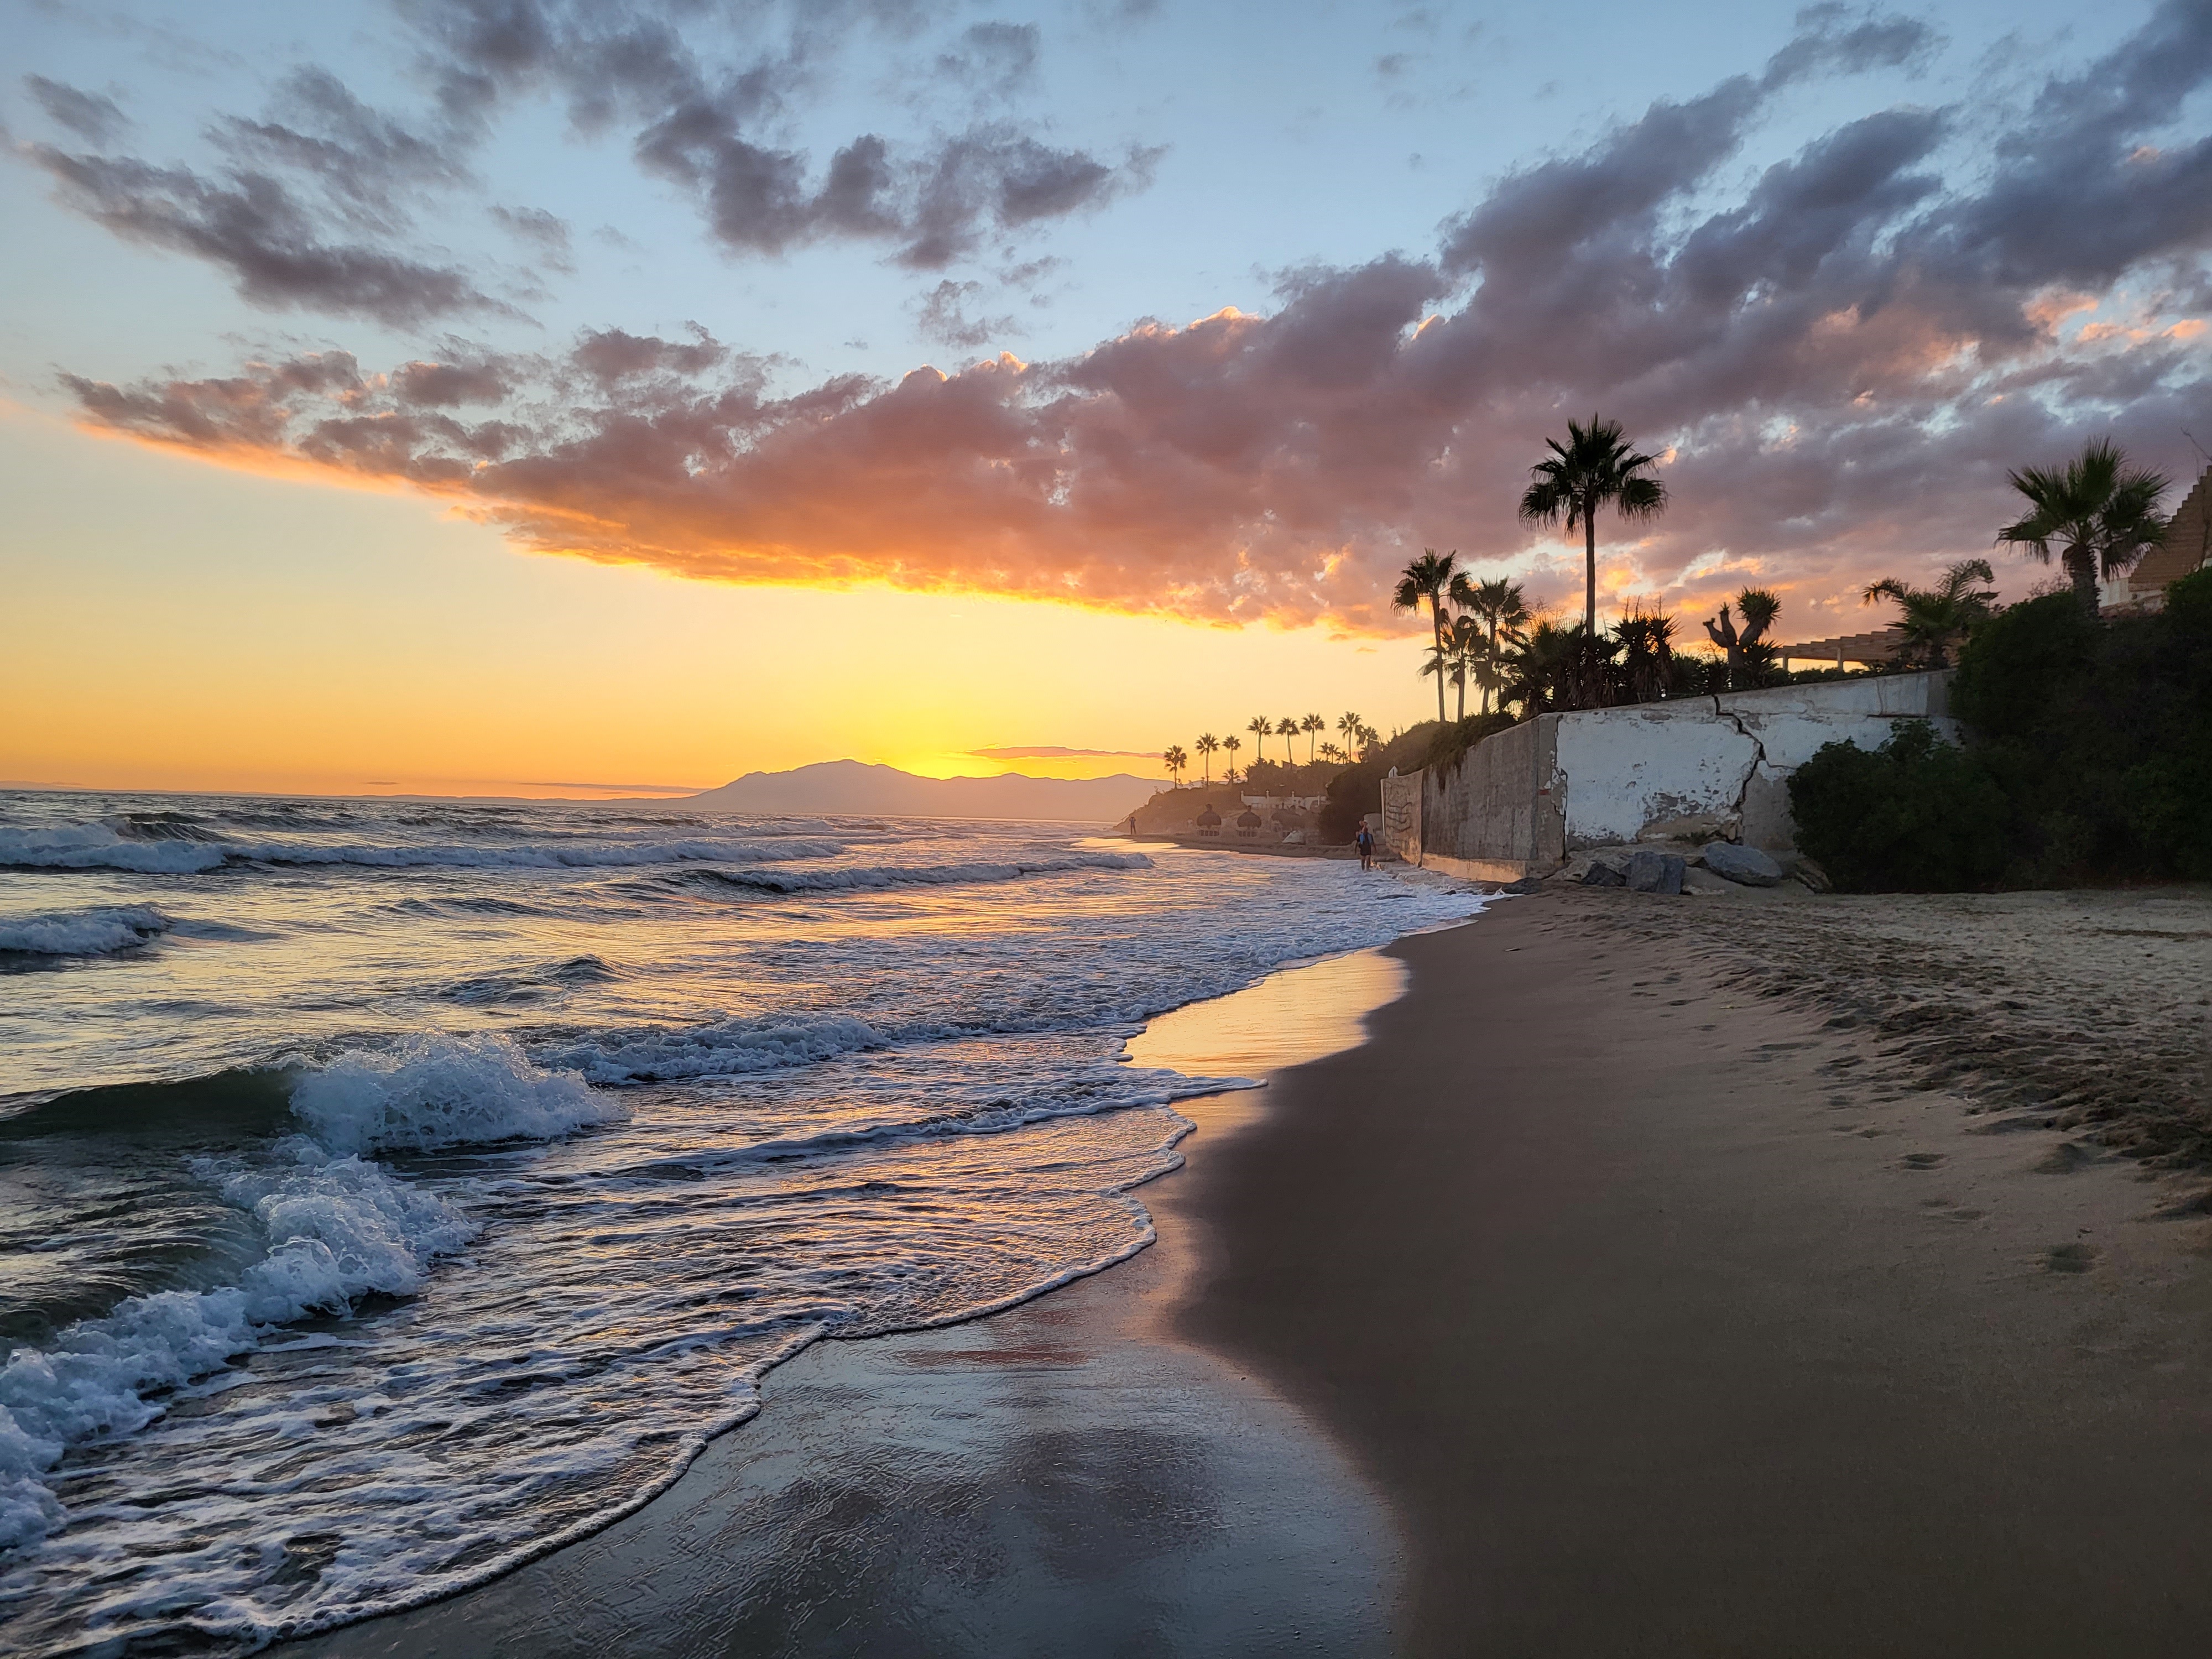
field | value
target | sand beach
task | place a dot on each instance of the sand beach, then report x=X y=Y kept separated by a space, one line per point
x=1659 y=1276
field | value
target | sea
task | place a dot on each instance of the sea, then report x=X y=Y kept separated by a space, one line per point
x=394 y=1191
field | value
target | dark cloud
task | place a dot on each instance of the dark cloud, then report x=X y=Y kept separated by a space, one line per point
x=310 y=206
x=547 y=234
x=943 y=317
x=993 y=59
x=92 y=116
x=449 y=386
x=1838 y=40
x=366 y=163
x=611 y=356
x=707 y=125
x=1839 y=364
x=273 y=244
x=315 y=203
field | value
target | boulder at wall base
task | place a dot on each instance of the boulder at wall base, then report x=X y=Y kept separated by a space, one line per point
x=1747 y=865
x=1656 y=872
x=1601 y=874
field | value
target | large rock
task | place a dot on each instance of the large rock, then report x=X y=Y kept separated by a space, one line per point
x=1603 y=874
x=1656 y=872
x=1746 y=865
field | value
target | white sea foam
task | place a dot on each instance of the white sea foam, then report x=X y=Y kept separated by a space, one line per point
x=97 y=847
x=433 y=1091
x=727 y=1048
x=81 y=933
x=835 y=879
x=337 y=1229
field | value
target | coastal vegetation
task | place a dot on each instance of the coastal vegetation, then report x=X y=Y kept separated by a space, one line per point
x=1934 y=620
x=1437 y=579
x=2089 y=751
x=2088 y=758
x=2096 y=515
x=1595 y=468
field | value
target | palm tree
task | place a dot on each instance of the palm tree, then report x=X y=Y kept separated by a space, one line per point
x=1312 y=726
x=1287 y=729
x=1232 y=743
x=1207 y=744
x=1367 y=737
x=1595 y=465
x=1348 y=725
x=1936 y=618
x=2100 y=513
x=1466 y=648
x=1329 y=752
x=1540 y=670
x=1174 y=760
x=1262 y=729
x=1435 y=580
x=1646 y=639
x=1503 y=608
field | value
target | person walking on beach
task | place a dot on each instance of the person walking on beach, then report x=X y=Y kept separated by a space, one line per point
x=1364 y=840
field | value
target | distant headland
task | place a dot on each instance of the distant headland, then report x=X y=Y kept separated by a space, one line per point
x=846 y=786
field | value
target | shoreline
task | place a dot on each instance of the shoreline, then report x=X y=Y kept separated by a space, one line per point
x=1600 y=1299
x=1105 y=1332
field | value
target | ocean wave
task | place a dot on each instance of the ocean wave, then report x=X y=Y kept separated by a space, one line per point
x=527 y=984
x=918 y=875
x=437 y=1091
x=731 y=1047
x=338 y=1229
x=81 y=933
x=219 y=1107
x=99 y=846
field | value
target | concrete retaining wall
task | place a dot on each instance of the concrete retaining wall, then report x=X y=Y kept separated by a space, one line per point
x=1692 y=768
x=1721 y=766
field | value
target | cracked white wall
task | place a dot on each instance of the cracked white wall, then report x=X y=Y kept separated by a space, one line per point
x=1720 y=765
x=1621 y=770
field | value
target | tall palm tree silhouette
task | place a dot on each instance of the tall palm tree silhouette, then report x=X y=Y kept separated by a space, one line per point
x=1596 y=466
x=1435 y=578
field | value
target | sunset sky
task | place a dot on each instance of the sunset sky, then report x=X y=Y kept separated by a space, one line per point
x=512 y=396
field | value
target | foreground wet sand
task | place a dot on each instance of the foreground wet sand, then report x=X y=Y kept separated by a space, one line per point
x=1677 y=1321
x=1603 y=1302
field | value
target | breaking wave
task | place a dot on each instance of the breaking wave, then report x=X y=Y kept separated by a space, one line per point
x=432 y=1092
x=81 y=933
x=99 y=847
x=338 y=1229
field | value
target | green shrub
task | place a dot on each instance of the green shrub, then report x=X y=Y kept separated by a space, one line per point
x=2100 y=731
x=1917 y=815
x=2021 y=667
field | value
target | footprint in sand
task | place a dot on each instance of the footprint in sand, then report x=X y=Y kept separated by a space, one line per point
x=2069 y=1258
x=1922 y=1160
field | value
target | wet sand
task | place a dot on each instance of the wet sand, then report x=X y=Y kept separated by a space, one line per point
x=1675 y=1320
x=1609 y=1300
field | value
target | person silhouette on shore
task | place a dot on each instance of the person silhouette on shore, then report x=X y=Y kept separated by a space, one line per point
x=1364 y=840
